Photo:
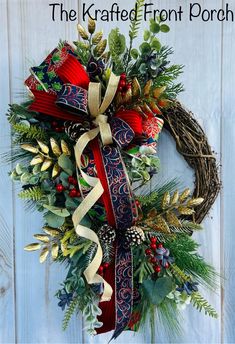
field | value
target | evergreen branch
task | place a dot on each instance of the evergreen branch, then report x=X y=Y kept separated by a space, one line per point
x=179 y=274
x=34 y=193
x=69 y=312
x=32 y=132
x=200 y=303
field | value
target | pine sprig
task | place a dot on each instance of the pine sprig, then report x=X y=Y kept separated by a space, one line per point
x=200 y=303
x=34 y=194
x=32 y=132
x=69 y=312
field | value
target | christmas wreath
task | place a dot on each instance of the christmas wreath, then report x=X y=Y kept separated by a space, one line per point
x=85 y=139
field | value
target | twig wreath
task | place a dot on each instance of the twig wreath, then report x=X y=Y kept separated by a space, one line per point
x=87 y=132
x=192 y=143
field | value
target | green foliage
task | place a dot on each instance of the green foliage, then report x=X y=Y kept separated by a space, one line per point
x=135 y=24
x=157 y=290
x=201 y=304
x=117 y=46
x=29 y=132
x=69 y=312
x=184 y=251
x=33 y=193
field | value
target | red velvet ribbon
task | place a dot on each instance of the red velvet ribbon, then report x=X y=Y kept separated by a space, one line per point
x=71 y=71
x=133 y=118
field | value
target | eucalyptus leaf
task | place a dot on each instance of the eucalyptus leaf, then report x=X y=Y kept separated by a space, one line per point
x=33 y=180
x=164 y=28
x=143 y=68
x=157 y=290
x=155 y=44
x=53 y=220
x=66 y=164
x=134 y=53
x=154 y=27
x=25 y=177
x=62 y=212
x=145 y=48
x=20 y=169
x=146 y=35
x=64 y=178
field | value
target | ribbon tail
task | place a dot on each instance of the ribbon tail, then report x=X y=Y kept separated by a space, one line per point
x=124 y=288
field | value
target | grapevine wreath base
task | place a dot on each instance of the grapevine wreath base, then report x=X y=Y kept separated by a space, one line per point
x=87 y=133
x=192 y=144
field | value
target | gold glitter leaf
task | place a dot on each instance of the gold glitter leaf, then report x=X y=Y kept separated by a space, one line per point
x=38 y=159
x=43 y=254
x=51 y=231
x=55 y=147
x=136 y=89
x=172 y=219
x=194 y=202
x=56 y=170
x=175 y=198
x=54 y=251
x=147 y=88
x=42 y=237
x=65 y=148
x=165 y=200
x=184 y=195
x=46 y=164
x=32 y=247
x=29 y=148
x=185 y=211
x=43 y=146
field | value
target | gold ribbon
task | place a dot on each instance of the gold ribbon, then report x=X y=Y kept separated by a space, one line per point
x=96 y=110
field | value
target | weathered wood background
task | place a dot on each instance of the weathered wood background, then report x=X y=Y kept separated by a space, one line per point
x=28 y=309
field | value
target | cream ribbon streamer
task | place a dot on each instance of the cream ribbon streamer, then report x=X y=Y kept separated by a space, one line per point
x=100 y=120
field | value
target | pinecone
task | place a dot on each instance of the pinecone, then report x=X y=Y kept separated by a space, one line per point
x=107 y=234
x=75 y=130
x=134 y=235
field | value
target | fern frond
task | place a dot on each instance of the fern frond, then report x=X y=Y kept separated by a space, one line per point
x=69 y=312
x=200 y=303
x=32 y=132
x=34 y=194
x=135 y=24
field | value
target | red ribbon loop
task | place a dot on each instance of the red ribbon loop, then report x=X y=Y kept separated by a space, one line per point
x=73 y=72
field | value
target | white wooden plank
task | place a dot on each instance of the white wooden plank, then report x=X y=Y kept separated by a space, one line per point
x=228 y=190
x=7 y=298
x=32 y=35
x=198 y=47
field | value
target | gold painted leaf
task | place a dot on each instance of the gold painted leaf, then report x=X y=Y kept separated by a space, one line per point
x=166 y=200
x=162 y=225
x=147 y=88
x=51 y=231
x=43 y=146
x=91 y=25
x=32 y=247
x=158 y=91
x=146 y=109
x=185 y=211
x=97 y=37
x=152 y=213
x=184 y=195
x=54 y=251
x=46 y=164
x=29 y=148
x=194 y=202
x=55 y=147
x=43 y=254
x=65 y=148
x=42 y=237
x=172 y=219
x=55 y=170
x=155 y=108
x=82 y=32
x=175 y=198
x=136 y=89
x=128 y=96
x=38 y=159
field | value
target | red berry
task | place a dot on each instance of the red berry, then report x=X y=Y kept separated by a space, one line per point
x=62 y=128
x=57 y=129
x=167 y=265
x=119 y=88
x=54 y=124
x=106 y=265
x=148 y=252
x=101 y=269
x=59 y=188
x=74 y=181
x=153 y=246
x=153 y=260
x=123 y=76
x=123 y=94
x=70 y=179
x=137 y=202
x=128 y=86
x=73 y=193
x=122 y=83
x=157 y=268
x=153 y=240
x=159 y=246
